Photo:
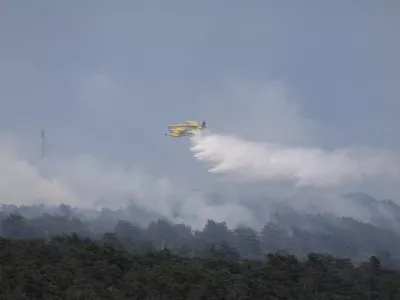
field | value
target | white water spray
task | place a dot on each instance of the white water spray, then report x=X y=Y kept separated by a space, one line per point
x=250 y=161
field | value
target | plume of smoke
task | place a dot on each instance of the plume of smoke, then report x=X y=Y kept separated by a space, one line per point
x=86 y=183
x=303 y=167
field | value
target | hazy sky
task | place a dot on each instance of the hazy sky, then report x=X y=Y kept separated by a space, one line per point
x=106 y=77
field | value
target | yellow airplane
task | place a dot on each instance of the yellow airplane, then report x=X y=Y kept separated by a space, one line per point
x=179 y=132
x=189 y=125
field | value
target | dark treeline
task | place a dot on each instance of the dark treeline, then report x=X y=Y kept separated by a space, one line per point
x=288 y=233
x=69 y=267
x=64 y=253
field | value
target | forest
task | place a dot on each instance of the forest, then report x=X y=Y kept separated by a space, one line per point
x=68 y=267
x=64 y=253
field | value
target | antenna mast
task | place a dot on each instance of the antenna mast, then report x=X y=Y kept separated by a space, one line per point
x=43 y=145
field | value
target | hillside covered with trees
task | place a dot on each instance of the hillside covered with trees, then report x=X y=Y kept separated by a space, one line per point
x=286 y=232
x=67 y=267
x=64 y=253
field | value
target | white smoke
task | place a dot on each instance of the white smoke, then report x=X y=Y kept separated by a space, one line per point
x=87 y=183
x=21 y=182
x=303 y=167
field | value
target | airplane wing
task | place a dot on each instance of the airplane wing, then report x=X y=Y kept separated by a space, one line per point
x=189 y=125
x=177 y=133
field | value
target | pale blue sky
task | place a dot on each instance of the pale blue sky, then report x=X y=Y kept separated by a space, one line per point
x=107 y=77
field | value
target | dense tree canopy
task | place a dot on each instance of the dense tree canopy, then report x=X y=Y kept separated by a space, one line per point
x=288 y=232
x=68 y=267
x=62 y=254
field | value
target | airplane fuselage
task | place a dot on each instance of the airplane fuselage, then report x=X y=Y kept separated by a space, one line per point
x=185 y=129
